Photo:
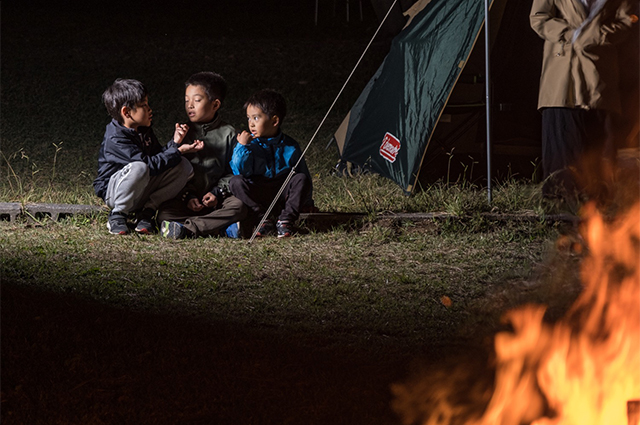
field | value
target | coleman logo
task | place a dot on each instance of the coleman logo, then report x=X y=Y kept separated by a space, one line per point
x=389 y=147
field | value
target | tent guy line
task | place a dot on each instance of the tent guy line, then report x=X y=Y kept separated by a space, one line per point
x=293 y=170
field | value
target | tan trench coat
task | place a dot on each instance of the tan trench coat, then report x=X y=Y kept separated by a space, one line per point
x=580 y=65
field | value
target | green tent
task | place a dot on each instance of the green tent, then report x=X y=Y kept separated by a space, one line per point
x=391 y=125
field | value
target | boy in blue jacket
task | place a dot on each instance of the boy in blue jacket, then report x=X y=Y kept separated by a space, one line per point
x=136 y=173
x=262 y=160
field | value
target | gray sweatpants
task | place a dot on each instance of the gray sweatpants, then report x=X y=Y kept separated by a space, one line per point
x=132 y=188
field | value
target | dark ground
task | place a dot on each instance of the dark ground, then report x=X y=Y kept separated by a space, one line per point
x=71 y=361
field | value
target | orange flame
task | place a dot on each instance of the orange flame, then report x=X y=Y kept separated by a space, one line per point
x=584 y=368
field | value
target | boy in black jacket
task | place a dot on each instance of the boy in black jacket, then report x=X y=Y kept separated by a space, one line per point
x=135 y=172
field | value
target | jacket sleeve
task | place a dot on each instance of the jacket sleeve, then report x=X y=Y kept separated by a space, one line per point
x=618 y=29
x=242 y=160
x=605 y=28
x=545 y=22
x=123 y=151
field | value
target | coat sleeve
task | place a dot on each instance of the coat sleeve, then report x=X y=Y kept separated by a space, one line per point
x=618 y=29
x=606 y=28
x=547 y=24
x=242 y=160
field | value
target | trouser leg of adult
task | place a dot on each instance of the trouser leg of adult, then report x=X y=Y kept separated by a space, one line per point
x=562 y=139
x=126 y=187
x=294 y=194
x=579 y=140
x=166 y=186
x=597 y=163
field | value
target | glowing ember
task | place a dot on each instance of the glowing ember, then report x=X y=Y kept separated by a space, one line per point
x=584 y=368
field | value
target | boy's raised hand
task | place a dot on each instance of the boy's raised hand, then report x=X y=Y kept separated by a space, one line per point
x=244 y=138
x=181 y=131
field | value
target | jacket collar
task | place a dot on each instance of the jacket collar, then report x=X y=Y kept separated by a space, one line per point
x=121 y=128
x=211 y=125
x=270 y=140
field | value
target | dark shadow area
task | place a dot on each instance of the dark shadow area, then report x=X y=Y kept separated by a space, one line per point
x=68 y=360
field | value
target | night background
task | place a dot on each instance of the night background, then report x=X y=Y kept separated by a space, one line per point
x=73 y=358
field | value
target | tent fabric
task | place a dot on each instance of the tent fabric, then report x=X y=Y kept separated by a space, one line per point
x=391 y=123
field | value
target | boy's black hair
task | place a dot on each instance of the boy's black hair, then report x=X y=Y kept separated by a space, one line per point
x=270 y=102
x=214 y=85
x=123 y=92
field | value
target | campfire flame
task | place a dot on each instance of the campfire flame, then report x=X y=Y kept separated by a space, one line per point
x=582 y=369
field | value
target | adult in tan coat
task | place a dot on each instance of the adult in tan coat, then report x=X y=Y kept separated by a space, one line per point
x=579 y=89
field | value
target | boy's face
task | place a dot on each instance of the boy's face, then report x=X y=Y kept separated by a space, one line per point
x=199 y=107
x=140 y=116
x=260 y=125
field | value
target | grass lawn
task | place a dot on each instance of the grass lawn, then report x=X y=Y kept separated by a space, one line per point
x=99 y=329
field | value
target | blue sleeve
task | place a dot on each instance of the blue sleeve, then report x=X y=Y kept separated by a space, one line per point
x=242 y=160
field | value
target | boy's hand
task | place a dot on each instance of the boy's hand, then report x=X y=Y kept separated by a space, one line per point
x=181 y=131
x=244 y=138
x=209 y=200
x=194 y=204
x=196 y=146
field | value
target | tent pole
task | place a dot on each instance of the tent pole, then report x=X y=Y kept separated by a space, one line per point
x=487 y=95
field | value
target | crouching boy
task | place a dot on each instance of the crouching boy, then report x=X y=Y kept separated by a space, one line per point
x=136 y=173
x=263 y=159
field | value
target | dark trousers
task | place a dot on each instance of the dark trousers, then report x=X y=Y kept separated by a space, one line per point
x=259 y=192
x=576 y=144
x=207 y=221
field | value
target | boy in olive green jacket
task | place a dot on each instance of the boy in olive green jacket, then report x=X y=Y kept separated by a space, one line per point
x=205 y=207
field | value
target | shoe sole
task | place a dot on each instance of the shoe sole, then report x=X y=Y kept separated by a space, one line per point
x=268 y=231
x=287 y=229
x=122 y=232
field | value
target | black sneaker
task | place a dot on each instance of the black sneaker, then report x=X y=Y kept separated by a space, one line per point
x=173 y=230
x=285 y=228
x=266 y=229
x=117 y=223
x=145 y=222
